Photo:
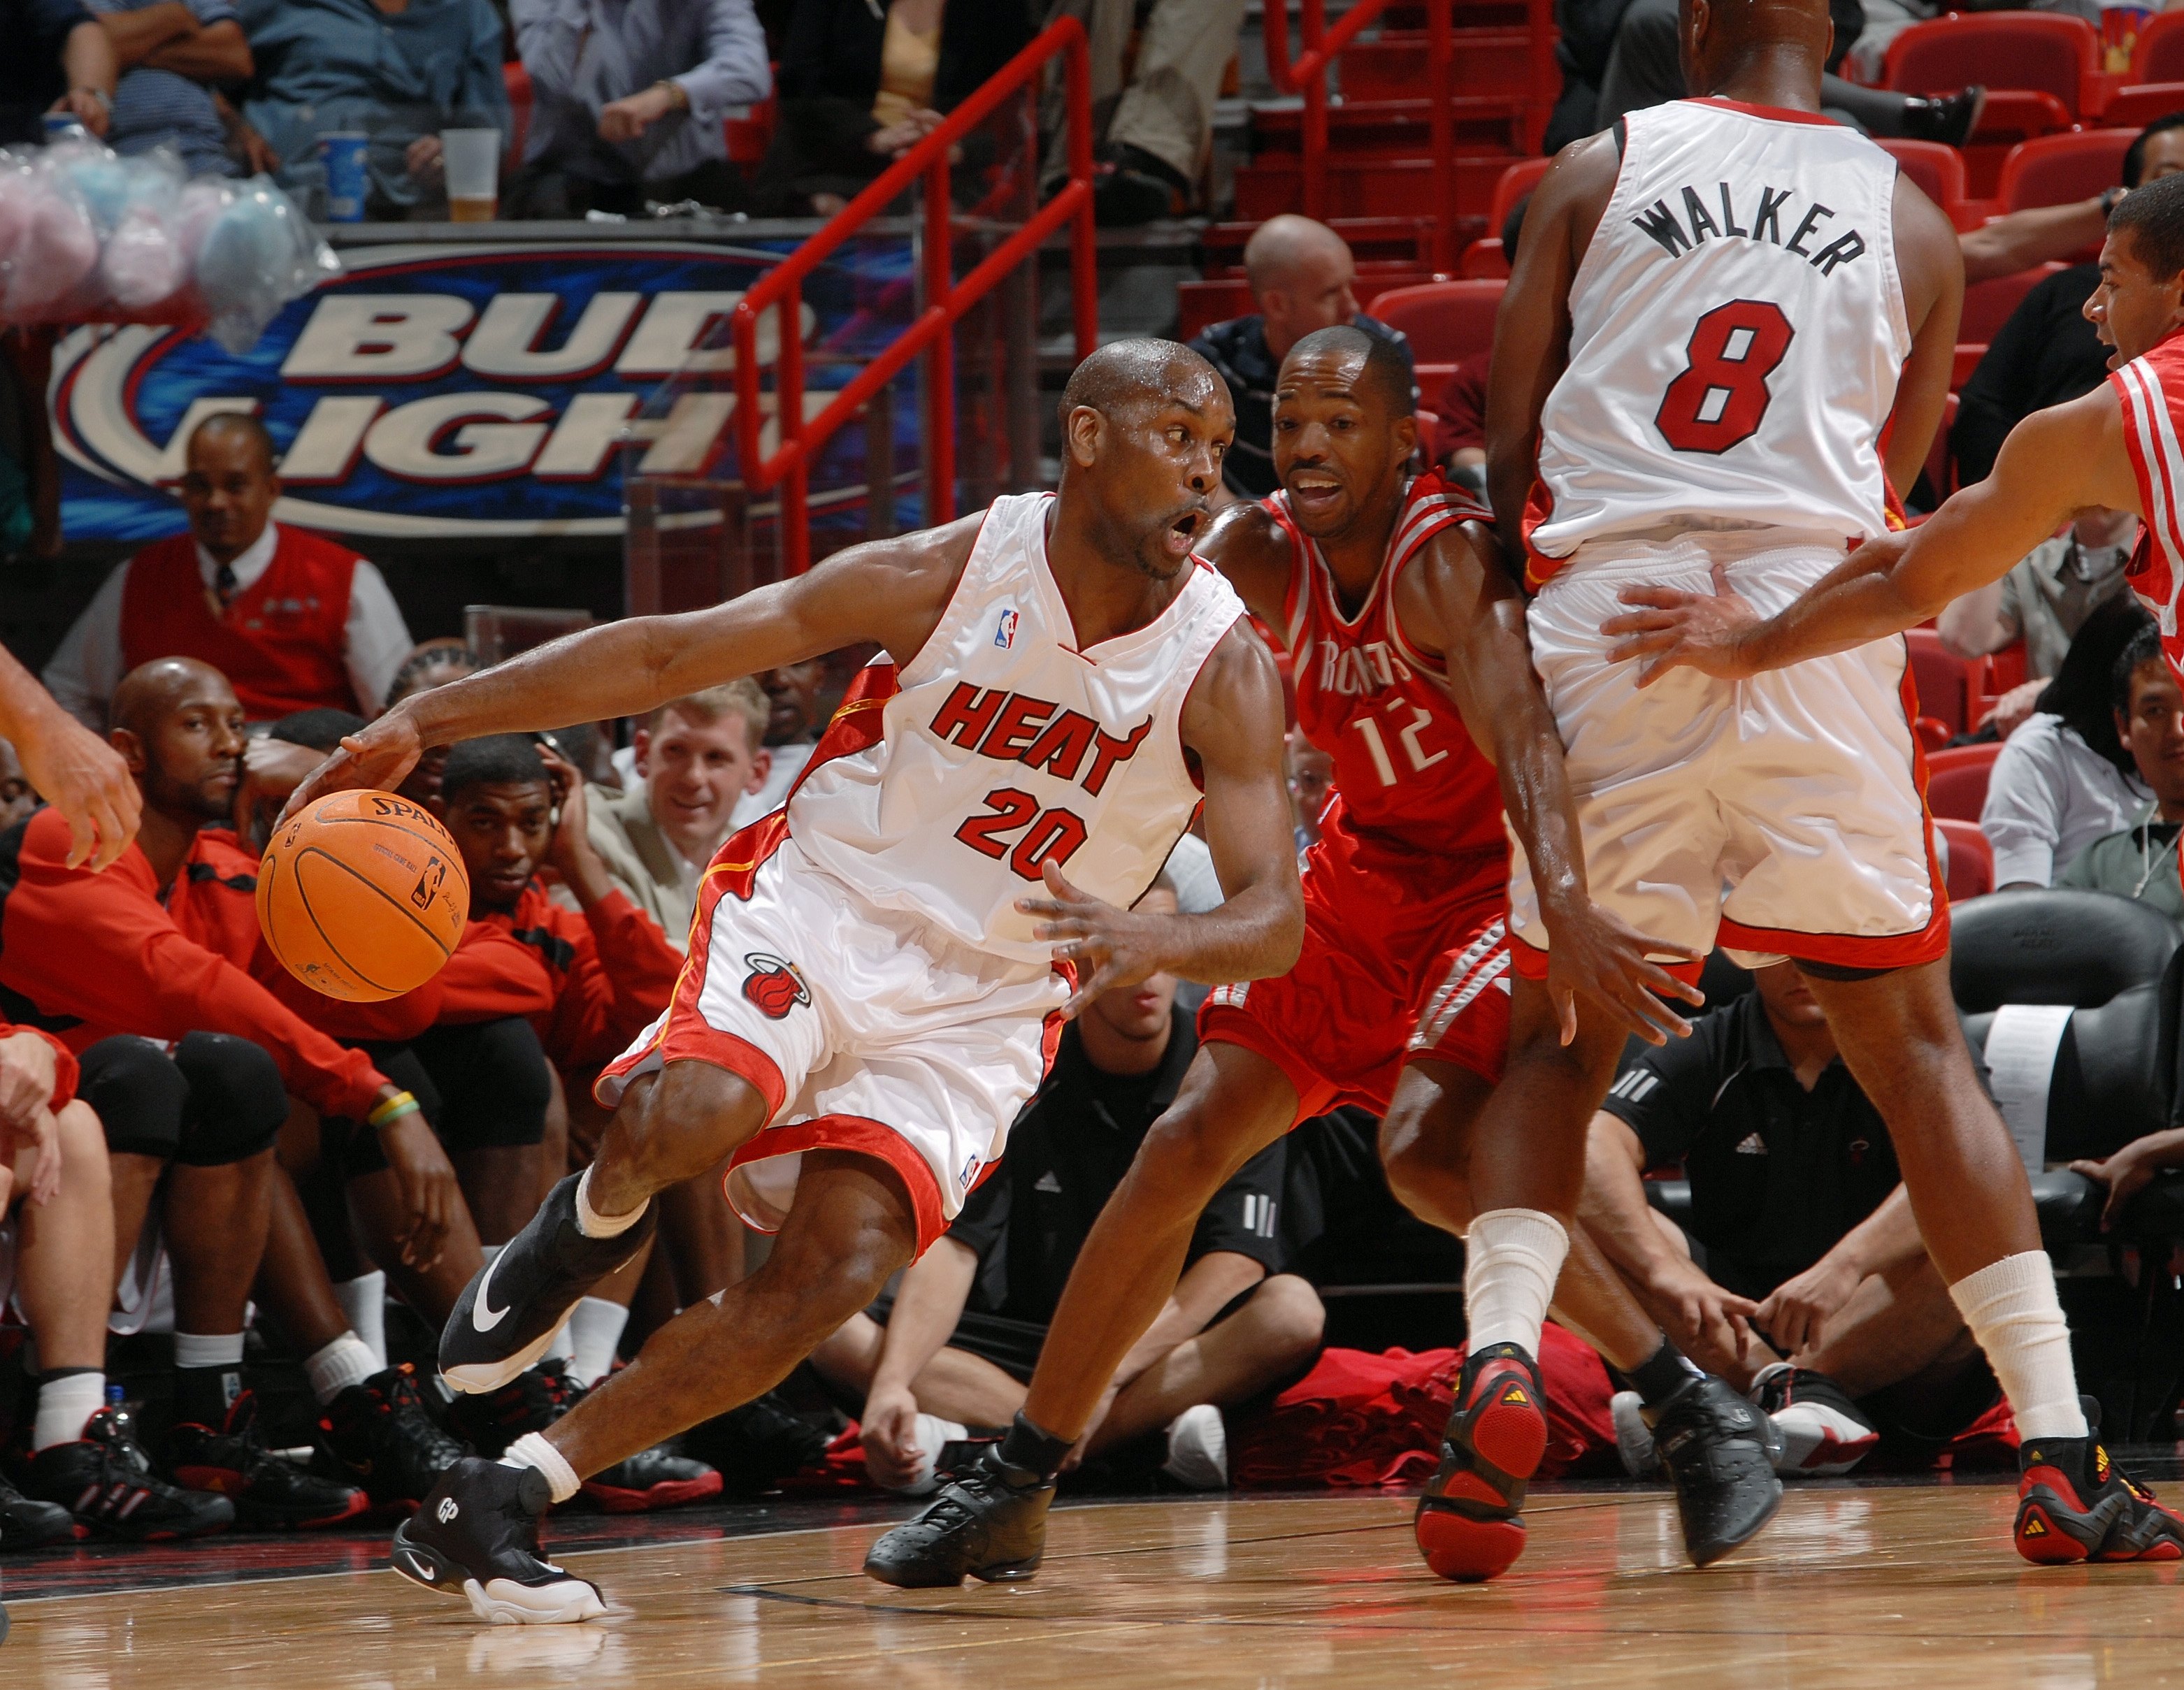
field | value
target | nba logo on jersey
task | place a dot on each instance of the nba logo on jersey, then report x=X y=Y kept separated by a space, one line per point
x=1005 y=633
x=969 y=1177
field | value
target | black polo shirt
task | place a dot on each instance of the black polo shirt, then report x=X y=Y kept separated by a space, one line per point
x=1778 y=1174
x=1067 y=1153
x=1238 y=349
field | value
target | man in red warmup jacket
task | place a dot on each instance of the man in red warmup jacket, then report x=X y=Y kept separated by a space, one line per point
x=161 y=946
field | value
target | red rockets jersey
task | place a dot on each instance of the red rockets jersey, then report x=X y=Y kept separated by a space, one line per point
x=2152 y=392
x=1406 y=769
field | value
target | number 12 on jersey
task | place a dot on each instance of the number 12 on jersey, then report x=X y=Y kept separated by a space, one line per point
x=1406 y=736
x=1720 y=399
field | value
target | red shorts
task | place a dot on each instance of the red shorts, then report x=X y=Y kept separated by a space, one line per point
x=1402 y=960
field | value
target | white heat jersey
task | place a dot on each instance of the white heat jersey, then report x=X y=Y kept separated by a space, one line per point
x=1736 y=331
x=1002 y=746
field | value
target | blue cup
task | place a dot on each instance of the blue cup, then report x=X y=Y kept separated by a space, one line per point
x=348 y=181
x=64 y=126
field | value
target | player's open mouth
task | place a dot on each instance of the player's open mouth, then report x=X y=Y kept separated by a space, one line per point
x=1183 y=533
x=1311 y=490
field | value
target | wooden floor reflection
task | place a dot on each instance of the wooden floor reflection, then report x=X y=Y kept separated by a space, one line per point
x=1867 y=1587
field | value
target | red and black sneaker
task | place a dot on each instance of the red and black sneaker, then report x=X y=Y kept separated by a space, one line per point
x=266 y=1490
x=106 y=1481
x=378 y=1434
x=655 y=1478
x=1470 y=1524
x=2075 y=1504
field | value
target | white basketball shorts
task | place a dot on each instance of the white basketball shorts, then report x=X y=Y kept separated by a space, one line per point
x=864 y=1029
x=1784 y=816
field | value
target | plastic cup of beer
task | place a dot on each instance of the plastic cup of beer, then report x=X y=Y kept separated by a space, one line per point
x=472 y=157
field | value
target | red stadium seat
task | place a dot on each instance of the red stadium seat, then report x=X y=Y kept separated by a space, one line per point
x=1956 y=780
x=1446 y=321
x=749 y=136
x=1484 y=261
x=1201 y=304
x=1944 y=680
x=517 y=81
x=2139 y=104
x=2157 y=54
x=1941 y=468
x=2058 y=169
x=1971 y=859
x=1987 y=304
x=1938 y=170
x=1515 y=182
x=2040 y=69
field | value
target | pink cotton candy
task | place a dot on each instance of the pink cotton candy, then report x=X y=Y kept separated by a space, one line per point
x=59 y=248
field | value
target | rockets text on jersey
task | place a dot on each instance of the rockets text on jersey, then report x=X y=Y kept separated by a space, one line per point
x=1737 y=328
x=2151 y=389
x=1405 y=767
x=1002 y=747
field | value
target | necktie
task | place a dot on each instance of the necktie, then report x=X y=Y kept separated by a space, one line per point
x=223 y=583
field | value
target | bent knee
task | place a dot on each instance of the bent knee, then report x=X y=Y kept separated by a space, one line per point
x=1188 y=1154
x=84 y=1164
x=1296 y=1318
x=688 y=1117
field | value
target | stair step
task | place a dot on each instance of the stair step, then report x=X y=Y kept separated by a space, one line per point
x=1484 y=62
x=1373 y=242
x=1376 y=188
x=1390 y=129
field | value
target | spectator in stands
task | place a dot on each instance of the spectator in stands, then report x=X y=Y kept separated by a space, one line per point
x=1457 y=440
x=696 y=758
x=1885 y=19
x=174 y=55
x=1799 y=1227
x=2065 y=779
x=17 y=800
x=794 y=719
x=629 y=101
x=62 y=61
x=2140 y=861
x=157 y=947
x=398 y=70
x=1312 y=785
x=1644 y=68
x=55 y=1197
x=956 y=1346
x=2043 y=601
x=1302 y=278
x=861 y=83
x=293 y=620
x=2047 y=353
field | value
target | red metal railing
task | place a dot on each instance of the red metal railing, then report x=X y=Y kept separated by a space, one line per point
x=1307 y=76
x=931 y=335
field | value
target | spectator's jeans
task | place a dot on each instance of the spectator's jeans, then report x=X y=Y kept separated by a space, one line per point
x=1167 y=107
x=1645 y=68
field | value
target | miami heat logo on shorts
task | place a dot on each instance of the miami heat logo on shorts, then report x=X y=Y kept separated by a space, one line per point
x=774 y=985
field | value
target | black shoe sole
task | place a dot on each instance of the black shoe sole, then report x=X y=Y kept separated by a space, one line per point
x=998 y=1572
x=1720 y=1549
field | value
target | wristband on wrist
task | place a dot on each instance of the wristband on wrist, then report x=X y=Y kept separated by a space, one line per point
x=396 y=1107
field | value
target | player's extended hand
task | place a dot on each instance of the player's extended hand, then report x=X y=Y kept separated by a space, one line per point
x=84 y=778
x=887 y=1429
x=1797 y=1313
x=427 y=1182
x=2124 y=1174
x=272 y=769
x=1106 y=947
x=1703 y=1311
x=1593 y=952
x=379 y=757
x=1674 y=630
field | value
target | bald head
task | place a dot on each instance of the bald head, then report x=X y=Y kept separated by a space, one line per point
x=152 y=692
x=1724 y=40
x=1126 y=375
x=226 y=430
x=1282 y=247
x=1302 y=277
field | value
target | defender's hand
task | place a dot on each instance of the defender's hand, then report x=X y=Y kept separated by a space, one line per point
x=380 y=757
x=1596 y=953
x=84 y=778
x=1797 y=1313
x=1684 y=630
x=1107 y=947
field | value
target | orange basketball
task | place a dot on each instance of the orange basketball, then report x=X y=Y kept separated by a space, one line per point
x=363 y=896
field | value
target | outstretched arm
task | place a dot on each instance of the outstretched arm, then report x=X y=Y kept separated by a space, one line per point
x=1473 y=611
x=1233 y=723
x=71 y=768
x=891 y=591
x=2055 y=462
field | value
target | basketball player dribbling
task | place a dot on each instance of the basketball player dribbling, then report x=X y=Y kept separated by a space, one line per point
x=1729 y=330
x=878 y=971
x=2117 y=445
x=1407 y=639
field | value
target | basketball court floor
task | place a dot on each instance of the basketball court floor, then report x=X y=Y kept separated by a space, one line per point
x=1853 y=1585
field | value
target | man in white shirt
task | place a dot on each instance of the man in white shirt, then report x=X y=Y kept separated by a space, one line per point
x=295 y=621
x=696 y=758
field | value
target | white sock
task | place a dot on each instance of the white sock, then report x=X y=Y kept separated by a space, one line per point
x=533 y=1450
x=346 y=1361
x=594 y=1331
x=1511 y=1259
x=363 y=1300
x=64 y=1405
x=593 y=1224
x=214 y=1349
x=2011 y=1307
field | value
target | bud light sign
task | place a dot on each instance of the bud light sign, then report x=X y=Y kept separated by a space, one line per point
x=443 y=391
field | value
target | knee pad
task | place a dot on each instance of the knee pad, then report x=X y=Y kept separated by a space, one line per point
x=493 y=1083
x=138 y=1094
x=237 y=1099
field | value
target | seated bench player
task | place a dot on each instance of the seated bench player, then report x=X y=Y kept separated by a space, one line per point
x=955 y=1347
x=1800 y=1226
x=160 y=946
